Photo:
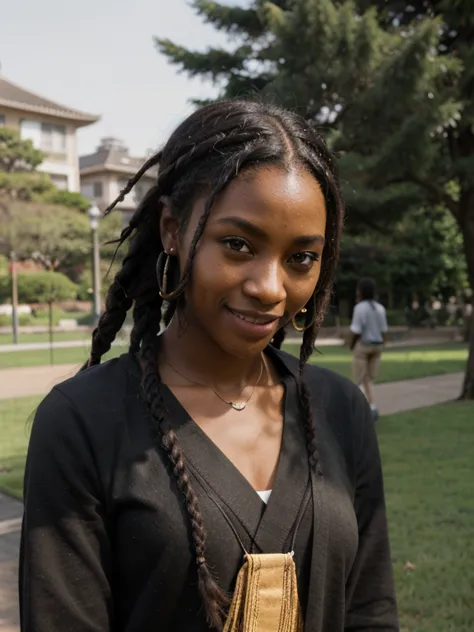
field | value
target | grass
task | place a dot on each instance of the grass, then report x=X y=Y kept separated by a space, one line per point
x=14 y=429
x=42 y=316
x=74 y=355
x=7 y=339
x=398 y=363
x=429 y=481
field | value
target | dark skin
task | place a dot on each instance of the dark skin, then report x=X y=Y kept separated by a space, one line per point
x=259 y=260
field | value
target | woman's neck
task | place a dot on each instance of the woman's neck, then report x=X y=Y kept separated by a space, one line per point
x=194 y=353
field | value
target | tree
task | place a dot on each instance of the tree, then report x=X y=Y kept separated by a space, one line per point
x=18 y=163
x=238 y=71
x=17 y=154
x=403 y=270
x=70 y=199
x=56 y=237
x=394 y=98
x=38 y=221
x=46 y=287
x=19 y=179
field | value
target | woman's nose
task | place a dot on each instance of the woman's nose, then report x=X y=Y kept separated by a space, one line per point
x=266 y=283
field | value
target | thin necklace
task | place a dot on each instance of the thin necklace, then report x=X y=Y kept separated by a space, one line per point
x=235 y=405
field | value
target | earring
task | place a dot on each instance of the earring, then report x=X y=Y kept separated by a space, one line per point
x=162 y=267
x=295 y=325
x=164 y=274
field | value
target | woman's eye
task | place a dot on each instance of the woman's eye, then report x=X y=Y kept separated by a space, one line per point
x=305 y=259
x=237 y=244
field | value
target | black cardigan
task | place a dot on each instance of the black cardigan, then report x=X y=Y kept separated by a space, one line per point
x=105 y=541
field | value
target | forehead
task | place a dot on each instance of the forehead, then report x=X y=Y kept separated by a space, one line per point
x=282 y=202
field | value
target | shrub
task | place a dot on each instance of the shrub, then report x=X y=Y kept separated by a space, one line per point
x=44 y=287
x=23 y=319
x=396 y=318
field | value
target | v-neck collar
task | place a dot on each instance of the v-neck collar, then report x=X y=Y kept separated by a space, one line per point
x=268 y=526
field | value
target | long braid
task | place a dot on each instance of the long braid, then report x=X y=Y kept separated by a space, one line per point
x=116 y=308
x=215 y=600
x=311 y=440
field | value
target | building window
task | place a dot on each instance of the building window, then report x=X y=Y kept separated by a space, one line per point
x=2 y=120
x=31 y=130
x=98 y=192
x=53 y=138
x=87 y=190
x=45 y=136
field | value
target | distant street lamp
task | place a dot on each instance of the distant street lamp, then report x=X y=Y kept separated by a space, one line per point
x=94 y=215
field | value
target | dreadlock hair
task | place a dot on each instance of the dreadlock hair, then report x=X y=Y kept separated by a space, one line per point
x=205 y=153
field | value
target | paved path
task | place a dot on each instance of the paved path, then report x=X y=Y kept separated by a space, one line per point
x=33 y=380
x=392 y=397
x=42 y=346
x=396 y=397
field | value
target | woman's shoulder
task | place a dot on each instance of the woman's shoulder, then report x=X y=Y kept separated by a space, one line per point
x=111 y=376
x=93 y=393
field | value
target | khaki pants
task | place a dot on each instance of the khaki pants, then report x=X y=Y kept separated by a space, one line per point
x=366 y=362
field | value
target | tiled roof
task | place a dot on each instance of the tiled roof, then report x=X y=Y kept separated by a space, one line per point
x=112 y=160
x=14 y=96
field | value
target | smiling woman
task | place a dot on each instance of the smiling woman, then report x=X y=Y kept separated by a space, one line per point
x=153 y=477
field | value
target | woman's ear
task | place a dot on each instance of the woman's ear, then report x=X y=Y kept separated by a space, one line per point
x=168 y=226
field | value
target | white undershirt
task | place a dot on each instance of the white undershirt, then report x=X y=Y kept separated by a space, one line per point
x=265 y=496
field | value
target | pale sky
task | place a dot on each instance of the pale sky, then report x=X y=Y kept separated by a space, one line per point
x=98 y=56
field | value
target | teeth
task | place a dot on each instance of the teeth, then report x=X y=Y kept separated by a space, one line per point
x=254 y=321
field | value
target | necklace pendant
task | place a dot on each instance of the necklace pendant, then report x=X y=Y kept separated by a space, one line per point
x=238 y=405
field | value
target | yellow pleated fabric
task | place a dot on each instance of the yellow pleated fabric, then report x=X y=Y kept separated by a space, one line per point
x=266 y=596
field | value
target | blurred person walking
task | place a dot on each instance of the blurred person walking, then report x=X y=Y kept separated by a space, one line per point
x=368 y=336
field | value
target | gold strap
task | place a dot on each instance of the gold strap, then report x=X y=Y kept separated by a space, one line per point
x=266 y=596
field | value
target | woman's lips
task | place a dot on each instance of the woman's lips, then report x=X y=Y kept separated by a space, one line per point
x=254 y=324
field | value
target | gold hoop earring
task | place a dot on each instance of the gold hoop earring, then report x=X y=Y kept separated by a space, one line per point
x=162 y=272
x=297 y=327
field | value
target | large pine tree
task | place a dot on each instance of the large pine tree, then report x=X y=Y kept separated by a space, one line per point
x=393 y=91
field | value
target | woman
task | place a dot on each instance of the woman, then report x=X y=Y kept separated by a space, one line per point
x=369 y=334
x=152 y=478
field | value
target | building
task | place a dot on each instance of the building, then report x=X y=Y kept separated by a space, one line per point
x=50 y=126
x=106 y=172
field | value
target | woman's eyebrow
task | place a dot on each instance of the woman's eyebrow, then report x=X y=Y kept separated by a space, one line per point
x=256 y=231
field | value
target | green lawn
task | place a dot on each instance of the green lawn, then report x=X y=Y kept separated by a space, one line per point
x=74 y=355
x=429 y=480
x=7 y=339
x=15 y=418
x=399 y=363
x=428 y=458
